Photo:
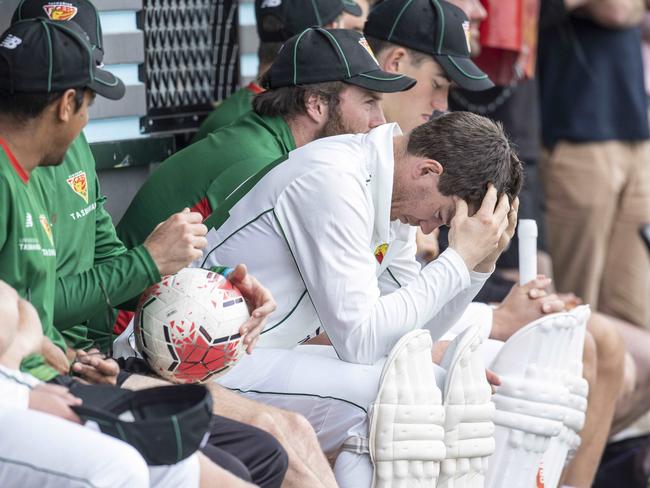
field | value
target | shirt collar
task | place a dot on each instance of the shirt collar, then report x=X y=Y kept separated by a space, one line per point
x=278 y=128
x=380 y=166
x=254 y=88
x=24 y=176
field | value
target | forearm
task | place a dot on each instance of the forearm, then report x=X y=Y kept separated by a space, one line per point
x=574 y=4
x=615 y=14
x=391 y=316
x=111 y=282
x=455 y=308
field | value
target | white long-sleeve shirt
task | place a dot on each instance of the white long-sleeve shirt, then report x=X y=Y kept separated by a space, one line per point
x=315 y=229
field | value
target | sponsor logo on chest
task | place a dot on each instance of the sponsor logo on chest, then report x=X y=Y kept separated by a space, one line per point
x=380 y=252
x=83 y=212
x=79 y=184
x=29 y=243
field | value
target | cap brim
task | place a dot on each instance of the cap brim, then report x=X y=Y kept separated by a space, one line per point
x=464 y=73
x=352 y=8
x=107 y=84
x=381 y=81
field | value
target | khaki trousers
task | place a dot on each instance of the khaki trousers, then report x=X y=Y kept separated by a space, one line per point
x=597 y=196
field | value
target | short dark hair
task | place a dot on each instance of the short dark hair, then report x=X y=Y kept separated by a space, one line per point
x=473 y=151
x=290 y=101
x=379 y=45
x=22 y=107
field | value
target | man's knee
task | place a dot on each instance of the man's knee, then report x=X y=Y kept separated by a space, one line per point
x=589 y=359
x=629 y=383
x=610 y=348
x=127 y=469
x=275 y=466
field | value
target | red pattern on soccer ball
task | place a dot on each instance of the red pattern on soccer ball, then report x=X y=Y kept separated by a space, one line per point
x=194 y=346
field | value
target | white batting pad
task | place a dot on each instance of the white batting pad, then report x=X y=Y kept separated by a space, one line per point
x=406 y=421
x=568 y=440
x=534 y=402
x=469 y=430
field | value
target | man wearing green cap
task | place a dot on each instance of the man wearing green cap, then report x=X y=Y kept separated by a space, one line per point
x=276 y=22
x=436 y=53
x=324 y=82
x=28 y=245
x=428 y=40
x=93 y=265
x=48 y=78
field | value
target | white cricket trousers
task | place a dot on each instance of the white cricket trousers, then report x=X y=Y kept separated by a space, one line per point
x=44 y=451
x=332 y=394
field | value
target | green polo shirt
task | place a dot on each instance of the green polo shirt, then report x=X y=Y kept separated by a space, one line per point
x=203 y=174
x=94 y=269
x=27 y=252
x=229 y=110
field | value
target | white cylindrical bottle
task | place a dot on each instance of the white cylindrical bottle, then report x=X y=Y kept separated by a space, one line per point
x=527 y=234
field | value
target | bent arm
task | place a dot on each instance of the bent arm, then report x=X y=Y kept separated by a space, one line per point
x=118 y=275
x=404 y=269
x=616 y=14
x=613 y=14
x=328 y=224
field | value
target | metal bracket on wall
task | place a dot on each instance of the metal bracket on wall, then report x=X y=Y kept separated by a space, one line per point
x=132 y=152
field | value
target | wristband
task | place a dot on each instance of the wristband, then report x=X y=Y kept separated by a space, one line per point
x=222 y=270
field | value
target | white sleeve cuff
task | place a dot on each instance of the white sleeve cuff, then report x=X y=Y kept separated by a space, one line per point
x=478 y=277
x=476 y=312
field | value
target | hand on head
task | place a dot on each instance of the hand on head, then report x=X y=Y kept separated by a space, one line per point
x=177 y=241
x=481 y=238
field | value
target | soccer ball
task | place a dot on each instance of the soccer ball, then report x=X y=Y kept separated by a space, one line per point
x=187 y=326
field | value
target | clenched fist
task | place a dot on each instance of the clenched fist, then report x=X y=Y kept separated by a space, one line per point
x=177 y=241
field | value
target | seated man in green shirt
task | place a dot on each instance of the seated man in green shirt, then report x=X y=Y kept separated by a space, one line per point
x=40 y=116
x=331 y=102
x=93 y=267
x=276 y=23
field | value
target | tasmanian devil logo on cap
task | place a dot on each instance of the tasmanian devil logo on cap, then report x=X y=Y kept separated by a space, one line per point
x=79 y=184
x=60 y=10
x=367 y=47
x=271 y=3
x=468 y=36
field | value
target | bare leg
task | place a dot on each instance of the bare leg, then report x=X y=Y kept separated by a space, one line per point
x=605 y=350
x=213 y=476
x=635 y=401
x=308 y=466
